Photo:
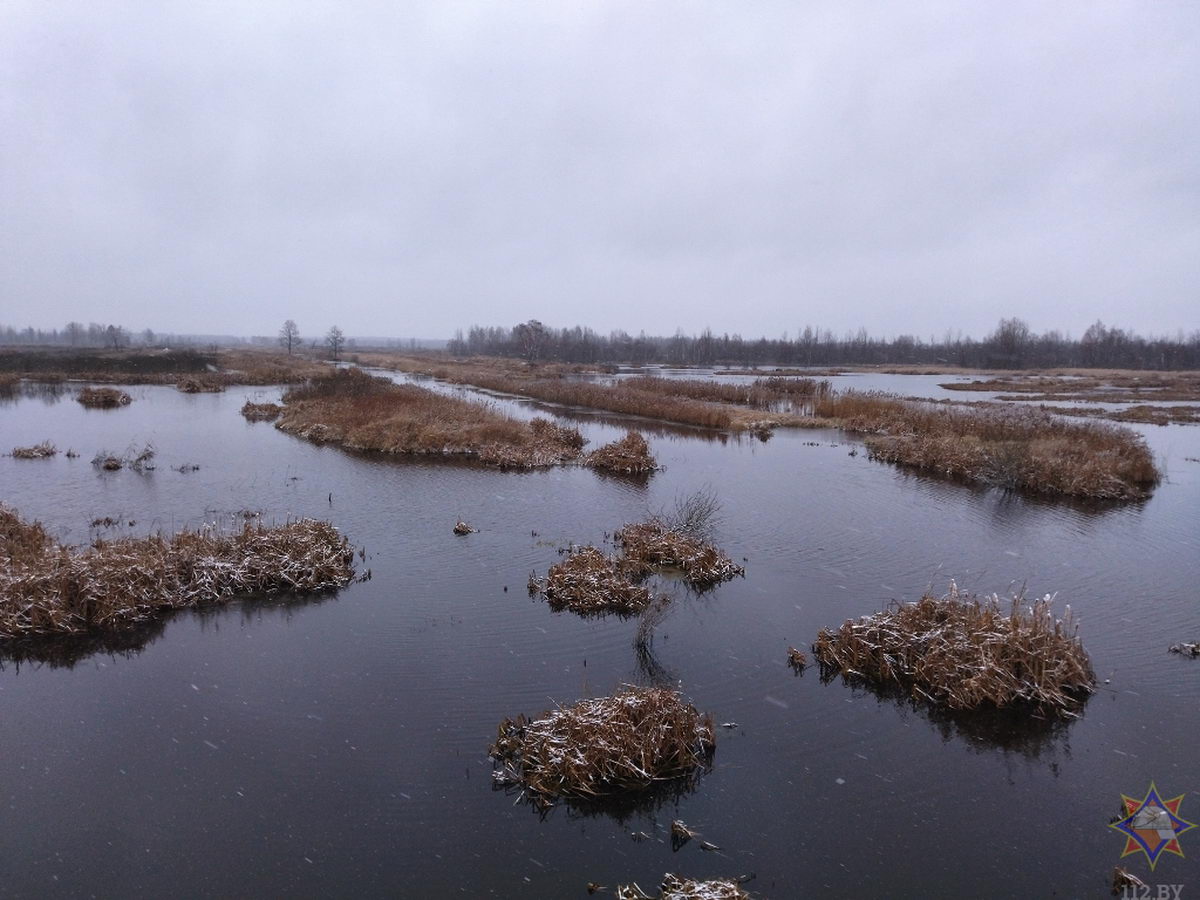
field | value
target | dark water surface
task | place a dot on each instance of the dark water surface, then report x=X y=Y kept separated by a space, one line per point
x=339 y=746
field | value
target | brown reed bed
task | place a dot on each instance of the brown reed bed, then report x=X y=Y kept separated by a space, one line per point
x=261 y=412
x=629 y=455
x=655 y=546
x=687 y=402
x=47 y=588
x=200 y=384
x=676 y=887
x=591 y=582
x=1017 y=448
x=1112 y=386
x=44 y=450
x=364 y=412
x=1141 y=413
x=103 y=398
x=965 y=653
x=206 y=371
x=9 y=382
x=603 y=747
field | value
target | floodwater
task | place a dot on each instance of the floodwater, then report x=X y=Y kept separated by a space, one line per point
x=338 y=745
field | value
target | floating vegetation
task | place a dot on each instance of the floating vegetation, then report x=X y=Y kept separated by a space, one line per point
x=1186 y=649
x=103 y=398
x=193 y=384
x=675 y=887
x=797 y=659
x=963 y=652
x=462 y=528
x=138 y=461
x=1125 y=883
x=603 y=747
x=364 y=412
x=1013 y=448
x=44 y=450
x=261 y=412
x=589 y=582
x=48 y=588
x=628 y=456
x=650 y=546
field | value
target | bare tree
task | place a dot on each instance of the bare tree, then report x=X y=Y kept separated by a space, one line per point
x=114 y=336
x=336 y=340
x=532 y=338
x=289 y=335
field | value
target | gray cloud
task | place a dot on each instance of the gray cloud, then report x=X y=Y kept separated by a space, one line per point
x=409 y=168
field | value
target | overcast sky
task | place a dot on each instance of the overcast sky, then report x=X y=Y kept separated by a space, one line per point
x=406 y=168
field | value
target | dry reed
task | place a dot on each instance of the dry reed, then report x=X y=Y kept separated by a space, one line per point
x=962 y=652
x=202 y=384
x=603 y=747
x=364 y=412
x=44 y=450
x=1017 y=448
x=49 y=588
x=628 y=456
x=103 y=398
x=590 y=582
x=261 y=412
x=675 y=887
x=653 y=546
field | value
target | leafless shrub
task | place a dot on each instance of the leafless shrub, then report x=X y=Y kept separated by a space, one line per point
x=697 y=515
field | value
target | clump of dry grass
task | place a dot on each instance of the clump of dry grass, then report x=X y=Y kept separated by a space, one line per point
x=964 y=653
x=49 y=588
x=675 y=887
x=1017 y=448
x=589 y=581
x=628 y=456
x=44 y=450
x=363 y=412
x=603 y=747
x=200 y=384
x=103 y=398
x=654 y=545
x=261 y=412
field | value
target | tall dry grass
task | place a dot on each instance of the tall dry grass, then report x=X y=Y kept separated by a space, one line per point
x=626 y=743
x=49 y=588
x=964 y=652
x=1018 y=448
x=364 y=412
x=103 y=398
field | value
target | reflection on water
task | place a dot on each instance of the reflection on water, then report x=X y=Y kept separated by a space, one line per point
x=1009 y=730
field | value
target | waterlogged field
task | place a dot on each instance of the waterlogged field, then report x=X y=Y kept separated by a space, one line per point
x=335 y=745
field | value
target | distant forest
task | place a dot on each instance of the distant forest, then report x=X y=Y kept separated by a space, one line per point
x=1013 y=345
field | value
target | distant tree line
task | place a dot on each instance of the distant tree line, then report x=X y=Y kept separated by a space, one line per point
x=1012 y=345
